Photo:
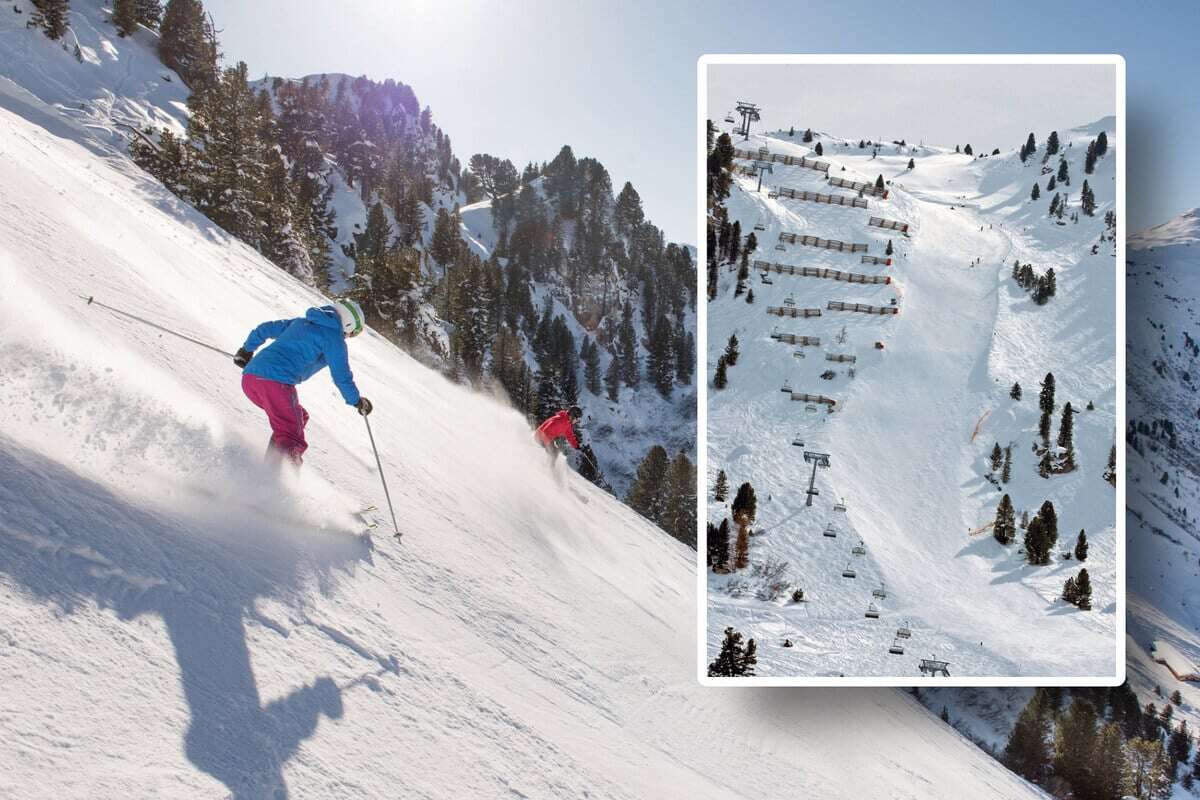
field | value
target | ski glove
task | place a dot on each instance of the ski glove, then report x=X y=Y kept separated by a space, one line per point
x=243 y=357
x=364 y=406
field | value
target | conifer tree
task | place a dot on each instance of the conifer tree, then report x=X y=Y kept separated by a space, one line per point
x=1146 y=775
x=1108 y=767
x=1070 y=592
x=721 y=487
x=1029 y=148
x=149 y=12
x=1179 y=748
x=819 y=150
x=879 y=184
x=1066 y=439
x=1074 y=745
x=808 y=135
x=124 y=15
x=1005 y=529
x=1052 y=143
x=750 y=297
x=735 y=659
x=680 y=517
x=1036 y=192
x=745 y=506
x=912 y=164
x=187 y=44
x=660 y=366
x=1083 y=588
x=731 y=350
x=1089 y=161
x=51 y=17
x=720 y=379
x=1081 y=546
x=1087 y=200
x=997 y=457
x=627 y=343
x=1015 y=392
x=591 y=365
x=718 y=546
x=1101 y=144
x=741 y=549
x=887 y=251
x=1006 y=473
x=1026 y=752
x=1064 y=174
x=967 y=149
x=612 y=379
x=1110 y=472
x=444 y=245
x=648 y=492
x=685 y=355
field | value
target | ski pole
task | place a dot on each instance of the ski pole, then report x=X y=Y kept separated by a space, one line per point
x=93 y=301
x=382 y=478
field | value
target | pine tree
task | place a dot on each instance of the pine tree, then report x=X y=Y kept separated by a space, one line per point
x=1026 y=752
x=1015 y=392
x=648 y=492
x=1083 y=587
x=912 y=164
x=1101 y=144
x=187 y=44
x=741 y=549
x=1052 y=143
x=1066 y=439
x=1110 y=472
x=819 y=150
x=808 y=135
x=51 y=17
x=1146 y=776
x=887 y=251
x=612 y=380
x=967 y=149
x=124 y=15
x=1055 y=203
x=1029 y=148
x=1074 y=744
x=1064 y=174
x=750 y=296
x=1070 y=592
x=1107 y=776
x=1089 y=161
x=1006 y=473
x=445 y=243
x=660 y=366
x=1005 y=529
x=735 y=659
x=149 y=12
x=745 y=506
x=1036 y=192
x=1087 y=200
x=627 y=346
x=721 y=487
x=1179 y=748
x=731 y=350
x=720 y=379
x=997 y=458
x=591 y=365
x=680 y=517
x=1081 y=546
x=718 y=546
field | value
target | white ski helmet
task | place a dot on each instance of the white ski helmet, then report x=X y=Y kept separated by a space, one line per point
x=351 y=315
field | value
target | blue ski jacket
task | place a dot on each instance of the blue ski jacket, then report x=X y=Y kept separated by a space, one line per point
x=302 y=347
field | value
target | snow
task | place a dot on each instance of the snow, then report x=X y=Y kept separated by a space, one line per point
x=1166 y=654
x=905 y=454
x=169 y=629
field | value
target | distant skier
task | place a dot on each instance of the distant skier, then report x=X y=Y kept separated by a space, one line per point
x=551 y=433
x=302 y=347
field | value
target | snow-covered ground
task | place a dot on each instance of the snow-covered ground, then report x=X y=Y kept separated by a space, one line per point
x=175 y=623
x=915 y=421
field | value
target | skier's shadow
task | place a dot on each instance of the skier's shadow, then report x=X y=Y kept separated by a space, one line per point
x=69 y=541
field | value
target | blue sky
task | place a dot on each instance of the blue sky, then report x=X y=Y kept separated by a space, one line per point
x=616 y=80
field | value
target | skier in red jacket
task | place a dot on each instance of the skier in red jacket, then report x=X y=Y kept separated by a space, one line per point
x=558 y=427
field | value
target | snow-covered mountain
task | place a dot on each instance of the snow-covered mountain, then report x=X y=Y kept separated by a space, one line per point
x=918 y=410
x=174 y=623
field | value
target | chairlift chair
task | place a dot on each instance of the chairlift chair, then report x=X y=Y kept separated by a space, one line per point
x=798 y=442
x=859 y=549
x=787 y=387
x=830 y=531
x=789 y=301
x=904 y=632
x=872 y=611
x=896 y=649
x=810 y=407
x=779 y=246
x=881 y=593
x=766 y=278
x=729 y=118
x=849 y=572
x=799 y=354
x=840 y=505
x=758 y=226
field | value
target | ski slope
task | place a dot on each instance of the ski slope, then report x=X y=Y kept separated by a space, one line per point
x=914 y=422
x=174 y=622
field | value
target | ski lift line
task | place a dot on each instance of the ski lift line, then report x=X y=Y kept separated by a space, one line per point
x=818 y=197
x=784 y=311
x=779 y=158
x=827 y=244
x=791 y=338
x=979 y=424
x=819 y=272
x=858 y=186
x=888 y=224
x=887 y=262
x=801 y=397
x=862 y=308
x=841 y=358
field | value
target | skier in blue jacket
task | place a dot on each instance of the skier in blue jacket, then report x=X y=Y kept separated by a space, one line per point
x=302 y=347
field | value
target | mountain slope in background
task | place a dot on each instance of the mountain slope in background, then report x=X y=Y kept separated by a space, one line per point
x=915 y=421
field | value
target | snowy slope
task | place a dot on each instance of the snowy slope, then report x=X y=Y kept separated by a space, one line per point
x=1164 y=475
x=915 y=421
x=173 y=625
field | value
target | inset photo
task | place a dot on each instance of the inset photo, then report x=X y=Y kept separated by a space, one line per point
x=913 y=385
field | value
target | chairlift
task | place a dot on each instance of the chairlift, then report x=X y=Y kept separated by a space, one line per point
x=872 y=611
x=881 y=593
x=810 y=407
x=799 y=354
x=798 y=442
x=729 y=118
x=789 y=301
x=840 y=505
x=859 y=549
x=904 y=632
x=779 y=246
x=766 y=278
x=831 y=532
x=787 y=387
x=896 y=649
x=758 y=226
x=849 y=572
